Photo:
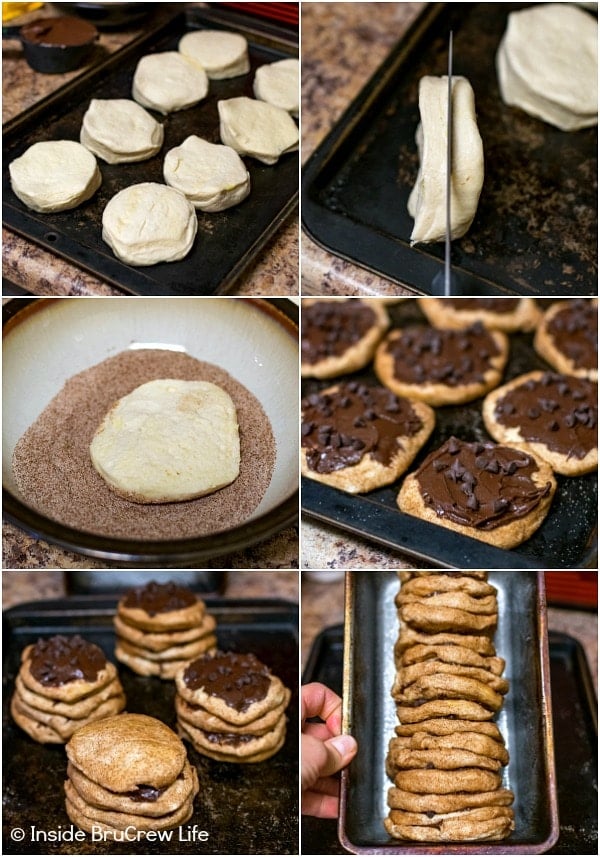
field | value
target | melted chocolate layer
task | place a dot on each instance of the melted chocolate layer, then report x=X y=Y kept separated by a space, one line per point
x=574 y=331
x=452 y=357
x=156 y=598
x=559 y=411
x=239 y=680
x=340 y=428
x=479 y=485
x=329 y=328
x=60 y=660
x=229 y=738
x=145 y=793
x=499 y=305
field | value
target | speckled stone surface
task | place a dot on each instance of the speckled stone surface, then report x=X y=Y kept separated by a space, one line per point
x=20 y=551
x=19 y=587
x=38 y=271
x=323 y=605
x=343 y=44
x=326 y=547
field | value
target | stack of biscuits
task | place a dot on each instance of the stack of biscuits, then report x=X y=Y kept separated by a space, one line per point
x=63 y=684
x=231 y=708
x=447 y=757
x=160 y=627
x=128 y=772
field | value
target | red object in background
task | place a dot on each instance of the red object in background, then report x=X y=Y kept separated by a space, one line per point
x=572 y=588
x=285 y=12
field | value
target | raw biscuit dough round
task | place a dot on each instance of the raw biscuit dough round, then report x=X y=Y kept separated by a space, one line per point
x=278 y=83
x=427 y=201
x=257 y=129
x=120 y=131
x=212 y=176
x=148 y=223
x=462 y=312
x=220 y=53
x=167 y=441
x=168 y=82
x=55 y=175
x=547 y=64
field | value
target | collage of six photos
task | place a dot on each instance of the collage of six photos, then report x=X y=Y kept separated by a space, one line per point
x=300 y=334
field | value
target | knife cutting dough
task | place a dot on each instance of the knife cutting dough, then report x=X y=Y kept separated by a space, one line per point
x=427 y=201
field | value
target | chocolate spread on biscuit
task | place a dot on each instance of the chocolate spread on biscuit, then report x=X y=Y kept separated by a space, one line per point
x=479 y=485
x=238 y=679
x=229 y=738
x=329 y=328
x=559 y=411
x=574 y=331
x=499 y=305
x=60 y=660
x=341 y=427
x=156 y=598
x=451 y=357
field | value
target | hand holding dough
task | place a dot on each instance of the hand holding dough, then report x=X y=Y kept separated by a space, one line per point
x=427 y=201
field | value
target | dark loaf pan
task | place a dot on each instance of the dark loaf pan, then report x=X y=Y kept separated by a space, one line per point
x=574 y=711
x=536 y=224
x=246 y=809
x=566 y=539
x=525 y=720
x=228 y=241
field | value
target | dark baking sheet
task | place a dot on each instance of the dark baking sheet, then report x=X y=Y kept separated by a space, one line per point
x=371 y=629
x=574 y=709
x=246 y=809
x=566 y=539
x=535 y=232
x=227 y=241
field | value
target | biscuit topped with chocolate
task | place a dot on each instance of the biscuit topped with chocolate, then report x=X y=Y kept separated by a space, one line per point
x=442 y=366
x=358 y=437
x=507 y=314
x=499 y=494
x=339 y=336
x=231 y=707
x=568 y=337
x=63 y=683
x=556 y=415
x=161 y=626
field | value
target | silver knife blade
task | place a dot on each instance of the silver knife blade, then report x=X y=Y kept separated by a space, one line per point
x=448 y=242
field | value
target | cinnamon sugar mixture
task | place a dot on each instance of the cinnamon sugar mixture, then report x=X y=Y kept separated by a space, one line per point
x=55 y=475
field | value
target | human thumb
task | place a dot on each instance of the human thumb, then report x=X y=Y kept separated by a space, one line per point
x=324 y=758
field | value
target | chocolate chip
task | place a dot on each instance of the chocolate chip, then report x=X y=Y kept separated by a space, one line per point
x=453 y=446
x=307 y=428
x=439 y=465
x=493 y=466
x=501 y=504
x=533 y=413
x=472 y=503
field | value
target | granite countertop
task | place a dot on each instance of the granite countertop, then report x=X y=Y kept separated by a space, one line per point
x=19 y=587
x=34 y=269
x=343 y=44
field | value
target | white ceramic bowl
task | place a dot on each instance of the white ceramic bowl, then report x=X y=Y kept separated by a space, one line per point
x=46 y=341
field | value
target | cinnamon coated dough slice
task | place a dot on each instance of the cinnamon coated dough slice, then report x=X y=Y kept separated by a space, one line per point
x=427 y=201
x=55 y=175
x=568 y=337
x=442 y=367
x=412 y=802
x=358 y=438
x=486 y=605
x=340 y=335
x=483 y=824
x=460 y=655
x=457 y=709
x=506 y=314
x=409 y=636
x=547 y=64
x=441 y=686
x=556 y=416
x=443 y=726
x=497 y=494
x=432 y=781
x=408 y=674
x=474 y=742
